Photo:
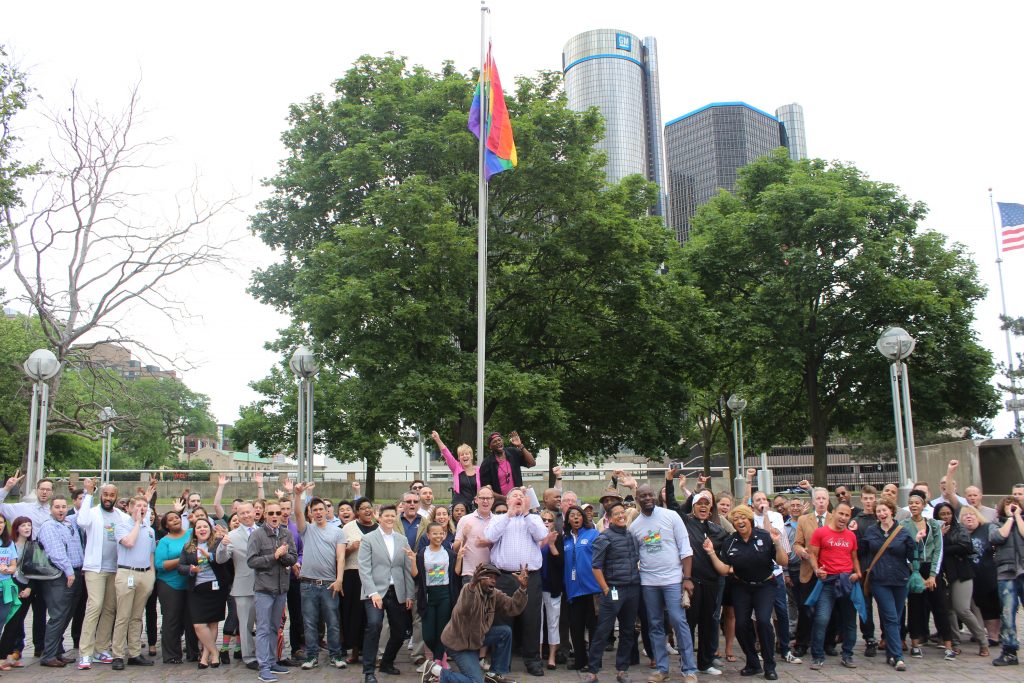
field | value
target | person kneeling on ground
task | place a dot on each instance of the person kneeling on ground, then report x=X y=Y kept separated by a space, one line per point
x=471 y=627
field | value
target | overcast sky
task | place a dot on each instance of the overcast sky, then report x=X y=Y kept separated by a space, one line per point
x=925 y=95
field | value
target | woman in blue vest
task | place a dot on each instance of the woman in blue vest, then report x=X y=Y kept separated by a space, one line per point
x=580 y=584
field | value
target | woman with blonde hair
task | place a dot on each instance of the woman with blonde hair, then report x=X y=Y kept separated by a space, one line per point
x=465 y=473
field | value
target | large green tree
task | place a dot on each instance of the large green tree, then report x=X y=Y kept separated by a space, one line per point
x=374 y=214
x=806 y=264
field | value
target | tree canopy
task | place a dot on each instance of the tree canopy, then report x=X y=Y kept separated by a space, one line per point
x=374 y=214
x=805 y=265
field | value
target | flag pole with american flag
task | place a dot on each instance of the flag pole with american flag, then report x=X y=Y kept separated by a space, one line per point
x=489 y=121
x=1012 y=238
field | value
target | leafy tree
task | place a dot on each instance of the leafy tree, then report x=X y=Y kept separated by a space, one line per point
x=1015 y=375
x=805 y=265
x=14 y=92
x=374 y=214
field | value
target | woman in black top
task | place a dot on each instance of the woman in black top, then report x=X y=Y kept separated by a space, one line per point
x=551 y=579
x=746 y=558
x=985 y=604
x=958 y=569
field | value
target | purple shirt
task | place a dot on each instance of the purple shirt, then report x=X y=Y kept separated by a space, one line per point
x=298 y=539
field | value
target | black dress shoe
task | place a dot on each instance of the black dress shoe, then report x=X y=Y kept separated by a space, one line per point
x=286 y=662
x=369 y=678
x=389 y=669
x=225 y=657
x=750 y=671
x=831 y=651
x=771 y=676
x=534 y=668
x=253 y=665
x=139 y=661
x=237 y=655
x=117 y=664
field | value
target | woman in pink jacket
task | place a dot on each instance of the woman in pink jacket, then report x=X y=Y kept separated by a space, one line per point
x=465 y=475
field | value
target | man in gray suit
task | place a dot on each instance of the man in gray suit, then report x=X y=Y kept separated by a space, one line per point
x=387 y=566
x=242 y=588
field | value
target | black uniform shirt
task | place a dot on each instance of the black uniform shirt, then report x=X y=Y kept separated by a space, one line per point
x=753 y=560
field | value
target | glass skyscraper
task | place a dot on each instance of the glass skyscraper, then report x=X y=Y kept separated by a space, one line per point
x=706 y=148
x=617 y=72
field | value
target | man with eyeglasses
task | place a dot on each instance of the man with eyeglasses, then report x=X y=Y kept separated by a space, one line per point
x=332 y=518
x=470 y=533
x=514 y=539
x=271 y=553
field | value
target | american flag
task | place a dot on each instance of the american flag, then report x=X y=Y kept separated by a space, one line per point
x=1013 y=225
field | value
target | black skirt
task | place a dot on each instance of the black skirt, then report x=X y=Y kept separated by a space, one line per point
x=205 y=605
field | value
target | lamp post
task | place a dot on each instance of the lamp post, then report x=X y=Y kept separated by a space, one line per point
x=40 y=367
x=737 y=405
x=303 y=364
x=896 y=344
x=106 y=443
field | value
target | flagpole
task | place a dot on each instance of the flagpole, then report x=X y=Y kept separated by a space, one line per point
x=1002 y=296
x=481 y=245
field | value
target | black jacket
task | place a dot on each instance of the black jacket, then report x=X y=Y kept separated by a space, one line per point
x=701 y=569
x=454 y=580
x=957 y=550
x=556 y=567
x=489 y=469
x=225 y=572
x=616 y=552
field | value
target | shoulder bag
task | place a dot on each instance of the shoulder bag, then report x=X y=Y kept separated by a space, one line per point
x=878 y=555
x=35 y=564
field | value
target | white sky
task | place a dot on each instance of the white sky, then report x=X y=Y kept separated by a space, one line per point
x=925 y=95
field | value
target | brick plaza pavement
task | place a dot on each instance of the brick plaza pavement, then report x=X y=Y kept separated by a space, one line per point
x=968 y=668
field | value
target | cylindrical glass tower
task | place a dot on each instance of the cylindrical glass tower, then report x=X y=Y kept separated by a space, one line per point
x=616 y=72
x=791 y=128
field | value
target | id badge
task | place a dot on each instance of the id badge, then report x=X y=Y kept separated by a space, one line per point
x=573 y=574
x=131 y=580
x=216 y=585
x=615 y=593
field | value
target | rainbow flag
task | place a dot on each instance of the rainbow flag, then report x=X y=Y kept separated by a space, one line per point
x=500 y=151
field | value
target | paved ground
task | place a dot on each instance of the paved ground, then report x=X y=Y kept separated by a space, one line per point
x=968 y=668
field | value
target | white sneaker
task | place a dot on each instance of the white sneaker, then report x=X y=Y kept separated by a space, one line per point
x=710 y=671
x=671 y=650
x=84 y=663
x=793 y=659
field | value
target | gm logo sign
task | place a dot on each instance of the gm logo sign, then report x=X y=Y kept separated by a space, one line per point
x=624 y=42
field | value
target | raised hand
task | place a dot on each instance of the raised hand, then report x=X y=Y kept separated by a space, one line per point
x=953 y=464
x=222 y=480
x=628 y=481
x=671 y=474
x=557 y=471
x=513 y=438
x=751 y=472
x=278 y=492
x=178 y=505
x=298 y=488
x=523 y=576
x=804 y=484
x=310 y=485
x=258 y=478
x=288 y=485
x=356 y=487
x=708 y=546
x=89 y=484
x=13 y=481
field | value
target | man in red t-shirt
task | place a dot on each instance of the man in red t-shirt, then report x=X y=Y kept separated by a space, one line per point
x=833 y=552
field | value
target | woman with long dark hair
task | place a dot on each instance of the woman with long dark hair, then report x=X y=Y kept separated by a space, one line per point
x=552 y=572
x=439 y=515
x=12 y=642
x=208 y=586
x=580 y=584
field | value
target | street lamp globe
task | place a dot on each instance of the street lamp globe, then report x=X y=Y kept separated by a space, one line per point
x=736 y=404
x=303 y=363
x=41 y=365
x=895 y=344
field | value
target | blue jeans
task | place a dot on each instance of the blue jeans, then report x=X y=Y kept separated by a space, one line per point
x=823 y=612
x=658 y=600
x=782 y=613
x=318 y=602
x=269 y=608
x=891 y=601
x=1011 y=594
x=499 y=640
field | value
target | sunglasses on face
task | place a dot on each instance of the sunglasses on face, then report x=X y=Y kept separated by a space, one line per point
x=272 y=514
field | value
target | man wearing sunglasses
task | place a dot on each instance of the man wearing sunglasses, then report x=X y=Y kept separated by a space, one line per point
x=271 y=553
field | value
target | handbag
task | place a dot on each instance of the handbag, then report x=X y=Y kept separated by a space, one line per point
x=35 y=563
x=916 y=582
x=878 y=555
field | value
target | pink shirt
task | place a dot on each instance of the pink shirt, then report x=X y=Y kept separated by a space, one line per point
x=471 y=528
x=505 y=481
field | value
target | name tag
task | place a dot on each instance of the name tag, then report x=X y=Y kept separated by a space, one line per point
x=216 y=585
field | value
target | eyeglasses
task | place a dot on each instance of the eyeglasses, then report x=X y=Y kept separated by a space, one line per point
x=548 y=520
x=417 y=488
x=485 y=497
x=271 y=514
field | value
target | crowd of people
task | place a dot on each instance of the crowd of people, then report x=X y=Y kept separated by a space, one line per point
x=652 y=575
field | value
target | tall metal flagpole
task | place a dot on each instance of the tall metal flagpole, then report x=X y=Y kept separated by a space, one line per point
x=1002 y=296
x=481 y=246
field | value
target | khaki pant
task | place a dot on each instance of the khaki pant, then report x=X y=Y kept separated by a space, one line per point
x=131 y=608
x=99 y=613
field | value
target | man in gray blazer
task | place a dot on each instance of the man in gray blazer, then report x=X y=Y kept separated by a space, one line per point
x=387 y=566
x=242 y=589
